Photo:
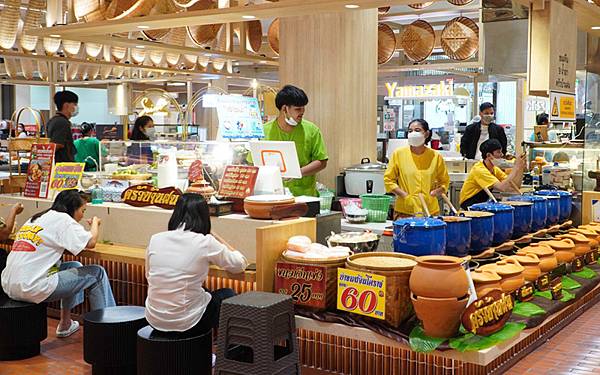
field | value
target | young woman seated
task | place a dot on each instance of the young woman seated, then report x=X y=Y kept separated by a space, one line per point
x=34 y=272
x=177 y=263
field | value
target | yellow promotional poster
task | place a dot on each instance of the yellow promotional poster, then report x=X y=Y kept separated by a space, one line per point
x=361 y=293
x=562 y=107
x=66 y=176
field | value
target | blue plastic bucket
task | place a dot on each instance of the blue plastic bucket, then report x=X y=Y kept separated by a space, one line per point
x=503 y=220
x=458 y=235
x=482 y=230
x=420 y=236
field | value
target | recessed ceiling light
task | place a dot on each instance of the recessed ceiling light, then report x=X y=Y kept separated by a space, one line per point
x=139 y=46
x=176 y=84
x=262 y=62
x=55 y=35
x=248 y=17
x=595 y=27
x=352 y=6
x=143 y=27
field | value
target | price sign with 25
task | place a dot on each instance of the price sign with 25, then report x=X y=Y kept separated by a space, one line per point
x=361 y=293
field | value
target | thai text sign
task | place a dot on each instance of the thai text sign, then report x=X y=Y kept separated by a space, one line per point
x=361 y=293
x=306 y=284
x=147 y=195
x=66 y=176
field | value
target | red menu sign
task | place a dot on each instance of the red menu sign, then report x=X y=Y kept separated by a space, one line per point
x=39 y=170
x=196 y=172
x=238 y=181
x=306 y=284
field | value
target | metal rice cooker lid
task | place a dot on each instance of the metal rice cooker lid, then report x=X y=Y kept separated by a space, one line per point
x=491 y=207
x=366 y=166
x=420 y=222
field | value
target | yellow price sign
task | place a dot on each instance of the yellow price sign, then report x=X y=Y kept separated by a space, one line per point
x=361 y=293
x=562 y=107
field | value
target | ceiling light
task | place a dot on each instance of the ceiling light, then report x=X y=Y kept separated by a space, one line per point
x=352 y=6
x=55 y=35
x=248 y=17
x=262 y=62
x=595 y=27
x=176 y=84
x=139 y=46
x=143 y=27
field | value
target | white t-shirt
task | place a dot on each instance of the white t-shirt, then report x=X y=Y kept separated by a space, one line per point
x=484 y=136
x=177 y=264
x=37 y=248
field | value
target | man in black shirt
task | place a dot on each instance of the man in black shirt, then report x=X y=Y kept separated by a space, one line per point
x=59 y=126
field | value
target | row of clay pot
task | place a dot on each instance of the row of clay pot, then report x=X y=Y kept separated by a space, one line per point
x=439 y=293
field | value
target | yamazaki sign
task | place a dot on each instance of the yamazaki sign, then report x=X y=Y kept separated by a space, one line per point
x=148 y=195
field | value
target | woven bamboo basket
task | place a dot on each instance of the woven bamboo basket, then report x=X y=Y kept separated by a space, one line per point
x=331 y=271
x=161 y=7
x=83 y=8
x=138 y=55
x=118 y=71
x=220 y=44
x=93 y=71
x=383 y=10
x=120 y=9
x=398 y=306
x=177 y=38
x=51 y=45
x=460 y=3
x=105 y=71
x=27 y=68
x=71 y=47
x=420 y=5
x=43 y=69
x=417 y=40
x=460 y=38
x=12 y=66
x=9 y=26
x=93 y=49
x=118 y=53
x=82 y=72
x=203 y=61
x=386 y=43
x=156 y=57
x=273 y=35
x=33 y=19
x=253 y=34
x=203 y=35
x=72 y=70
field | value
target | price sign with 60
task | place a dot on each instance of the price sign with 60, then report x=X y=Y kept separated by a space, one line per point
x=361 y=293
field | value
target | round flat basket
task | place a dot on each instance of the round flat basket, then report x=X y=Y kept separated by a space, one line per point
x=203 y=35
x=420 y=5
x=273 y=35
x=460 y=3
x=417 y=40
x=386 y=43
x=460 y=38
x=383 y=10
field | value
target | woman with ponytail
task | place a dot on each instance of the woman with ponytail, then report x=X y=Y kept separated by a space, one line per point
x=34 y=272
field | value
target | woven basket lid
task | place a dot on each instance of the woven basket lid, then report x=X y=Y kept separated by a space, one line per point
x=420 y=5
x=383 y=10
x=203 y=35
x=460 y=3
x=253 y=34
x=417 y=40
x=273 y=35
x=460 y=38
x=386 y=43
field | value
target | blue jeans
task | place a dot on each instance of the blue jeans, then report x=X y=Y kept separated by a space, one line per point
x=74 y=278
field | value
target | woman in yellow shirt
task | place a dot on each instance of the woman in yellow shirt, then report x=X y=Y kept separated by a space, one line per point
x=415 y=170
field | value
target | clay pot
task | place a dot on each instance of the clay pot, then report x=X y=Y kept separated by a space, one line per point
x=260 y=207
x=511 y=273
x=591 y=235
x=531 y=264
x=440 y=316
x=545 y=254
x=581 y=242
x=592 y=227
x=439 y=276
x=563 y=248
x=485 y=281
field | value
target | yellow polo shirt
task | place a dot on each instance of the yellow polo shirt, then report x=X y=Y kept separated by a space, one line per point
x=480 y=177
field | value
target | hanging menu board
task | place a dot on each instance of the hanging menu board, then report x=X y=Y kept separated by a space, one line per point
x=239 y=117
x=66 y=176
x=238 y=181
x=39 y=170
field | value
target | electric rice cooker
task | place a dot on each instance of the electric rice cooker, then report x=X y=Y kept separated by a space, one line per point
x=365 y=178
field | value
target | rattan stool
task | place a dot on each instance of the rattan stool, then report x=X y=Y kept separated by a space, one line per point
x=23 y=326
x=109 y=339
x=257 y=335
x=158 y=354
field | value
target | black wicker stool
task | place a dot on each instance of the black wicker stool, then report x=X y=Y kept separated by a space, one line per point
x=161 y=355
x=109 y=339
x=22 y=327
x=257 y=335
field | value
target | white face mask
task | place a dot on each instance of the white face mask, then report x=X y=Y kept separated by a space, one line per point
x=416 y=139
x=75 y=111
x=487 y=119
x=290 y=120
x=150 y=132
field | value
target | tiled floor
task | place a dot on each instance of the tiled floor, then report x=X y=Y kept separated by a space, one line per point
x=574 y=351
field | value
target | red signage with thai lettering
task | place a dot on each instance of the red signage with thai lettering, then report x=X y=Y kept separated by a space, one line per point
x=238 y=181
x=39 y=170
x=196 y=172
x=306 y=284
x=147 y=195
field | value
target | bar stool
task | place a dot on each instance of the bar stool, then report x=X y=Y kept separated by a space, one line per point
x=160 y=354
x=23 y=326
x=257 y=335
x=109 y=339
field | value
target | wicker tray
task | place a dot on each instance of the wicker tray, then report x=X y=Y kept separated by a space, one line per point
x=93 y=49
x=417 y=40
x=386 y=43
x=383 y=10
x=51 y=45
x=161 y=7
x=460 y=38
x=420 y=5
x=273 y=35
x=118 y=53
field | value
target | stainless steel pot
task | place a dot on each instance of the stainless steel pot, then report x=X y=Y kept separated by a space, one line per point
x=365 y=178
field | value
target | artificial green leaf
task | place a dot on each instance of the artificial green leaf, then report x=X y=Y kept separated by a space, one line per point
x=585 y=273
x=509 y=331
x=527 y=309
x=569 y=284
x=420 y=342
x=546 y=294
x=470 y=342
x=567 y=296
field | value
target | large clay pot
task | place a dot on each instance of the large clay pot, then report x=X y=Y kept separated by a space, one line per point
x=564 y=249
x=591 y=235
x=545 y=254
x=439 y=276
x=485 y=281
x=531 y=264
x=440 y=316
x=511 y=273
x=582 y=243
x=592 y=227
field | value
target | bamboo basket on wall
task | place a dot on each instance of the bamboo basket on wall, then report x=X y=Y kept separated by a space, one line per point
x=105 y=71
x=460 y=38
x=417 y=40
x=118 y=53
x=253 y=34
x=203 y=35
x=27 y=68
x=118 y=71
x=9 y=26
x=12 y=67
x=220 y=44
x=386 y=43
x=156 y=57
x=72 y=70
x=273 y=36
x=161 y=7
x=420 y=5
x=138 y=55
x=33 y=18
x=460 y=3
x=71 y=47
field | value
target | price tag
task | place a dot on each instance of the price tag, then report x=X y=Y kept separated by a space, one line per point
x=305 y=283
x=66 y=176
x=543 y=282
x=578 y=264
x=556 y=288
x=525 y=293
x=361 y=293
x=591 y=257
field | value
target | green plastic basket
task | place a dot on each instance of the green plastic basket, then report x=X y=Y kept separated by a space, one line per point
x=377 y=207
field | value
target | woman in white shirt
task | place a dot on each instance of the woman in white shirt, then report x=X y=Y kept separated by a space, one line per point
x=34 y=272
x=177 y=263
